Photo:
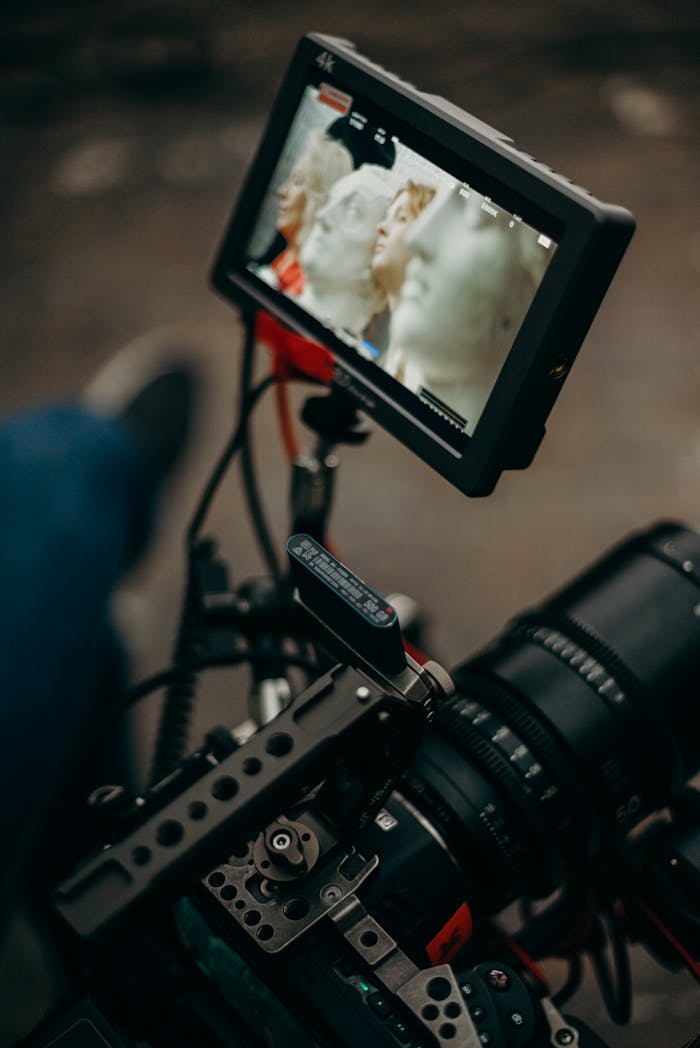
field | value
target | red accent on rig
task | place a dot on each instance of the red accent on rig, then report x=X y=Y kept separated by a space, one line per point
x=451 y=937
x=293 y=355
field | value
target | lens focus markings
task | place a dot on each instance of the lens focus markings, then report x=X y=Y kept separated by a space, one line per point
x=536 y=779
x=495 y=816
x=622 y=780
x=593 y=672
x=477 y=745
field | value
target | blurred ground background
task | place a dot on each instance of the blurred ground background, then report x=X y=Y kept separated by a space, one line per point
x=125 y=132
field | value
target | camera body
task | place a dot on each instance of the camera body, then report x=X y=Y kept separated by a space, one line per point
x=326 y=984
x=373 y=827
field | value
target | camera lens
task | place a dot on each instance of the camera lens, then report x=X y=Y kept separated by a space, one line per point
x=577 y=722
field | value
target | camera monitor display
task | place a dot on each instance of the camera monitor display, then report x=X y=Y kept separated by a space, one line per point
x=450 y=277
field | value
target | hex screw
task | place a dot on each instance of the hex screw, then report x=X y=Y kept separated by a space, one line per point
x=330 y=894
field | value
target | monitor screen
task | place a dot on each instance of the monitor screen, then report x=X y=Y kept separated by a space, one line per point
x=412 y=268
x=431 y=272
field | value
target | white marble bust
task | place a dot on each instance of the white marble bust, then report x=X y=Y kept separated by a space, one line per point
x=337 y=254
x=467 y=289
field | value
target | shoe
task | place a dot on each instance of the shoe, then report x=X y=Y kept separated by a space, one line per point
x=149 y=387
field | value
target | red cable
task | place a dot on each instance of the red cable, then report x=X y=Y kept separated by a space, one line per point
x=528 y=963
x=285 y=421
x=580 y=930
x=661 y=926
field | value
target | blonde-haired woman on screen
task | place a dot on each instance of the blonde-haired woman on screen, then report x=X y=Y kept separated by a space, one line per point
x=322 y=162
x=392 y=254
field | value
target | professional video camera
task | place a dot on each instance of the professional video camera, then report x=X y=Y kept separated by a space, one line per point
x=339 y=869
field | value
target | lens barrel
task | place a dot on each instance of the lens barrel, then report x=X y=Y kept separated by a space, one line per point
x=573 y=725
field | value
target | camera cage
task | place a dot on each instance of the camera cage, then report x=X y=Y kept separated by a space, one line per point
x=352 y=719
x=590 y=237
x=175 y=839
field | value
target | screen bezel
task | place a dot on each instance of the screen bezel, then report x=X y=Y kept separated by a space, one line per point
x=512 y=421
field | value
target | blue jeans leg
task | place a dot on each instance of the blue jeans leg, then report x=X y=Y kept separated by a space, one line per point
x=76 y=498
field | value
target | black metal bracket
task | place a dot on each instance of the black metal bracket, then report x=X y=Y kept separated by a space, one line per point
x=237 y=796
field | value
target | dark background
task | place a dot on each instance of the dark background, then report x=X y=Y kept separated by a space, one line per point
x=126 y=131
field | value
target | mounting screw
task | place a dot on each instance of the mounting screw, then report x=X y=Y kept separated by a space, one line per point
x=107 y=796
x=559 y=368
x=362 y=694
x=564 y=1036
x=330 y=894
x=280 y=841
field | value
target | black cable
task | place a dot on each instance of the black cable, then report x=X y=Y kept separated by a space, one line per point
x=165 y=677
x=235 y=444
x=670 y=896
x=173 y=731
x=176 y=715
x=161 y=679
x=571 y=983
x=615 y=989
x=526 y=911
x=255 y=508
x=679 y=910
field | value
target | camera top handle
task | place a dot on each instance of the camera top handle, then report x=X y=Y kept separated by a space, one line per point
x=331 y=731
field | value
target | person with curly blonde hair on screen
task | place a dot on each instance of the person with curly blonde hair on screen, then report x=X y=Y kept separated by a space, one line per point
x=391 y=252
x=301 y=196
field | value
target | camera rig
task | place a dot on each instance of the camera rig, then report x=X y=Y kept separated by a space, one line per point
x=266 y=860
x=351 y=735
x=334 y=870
